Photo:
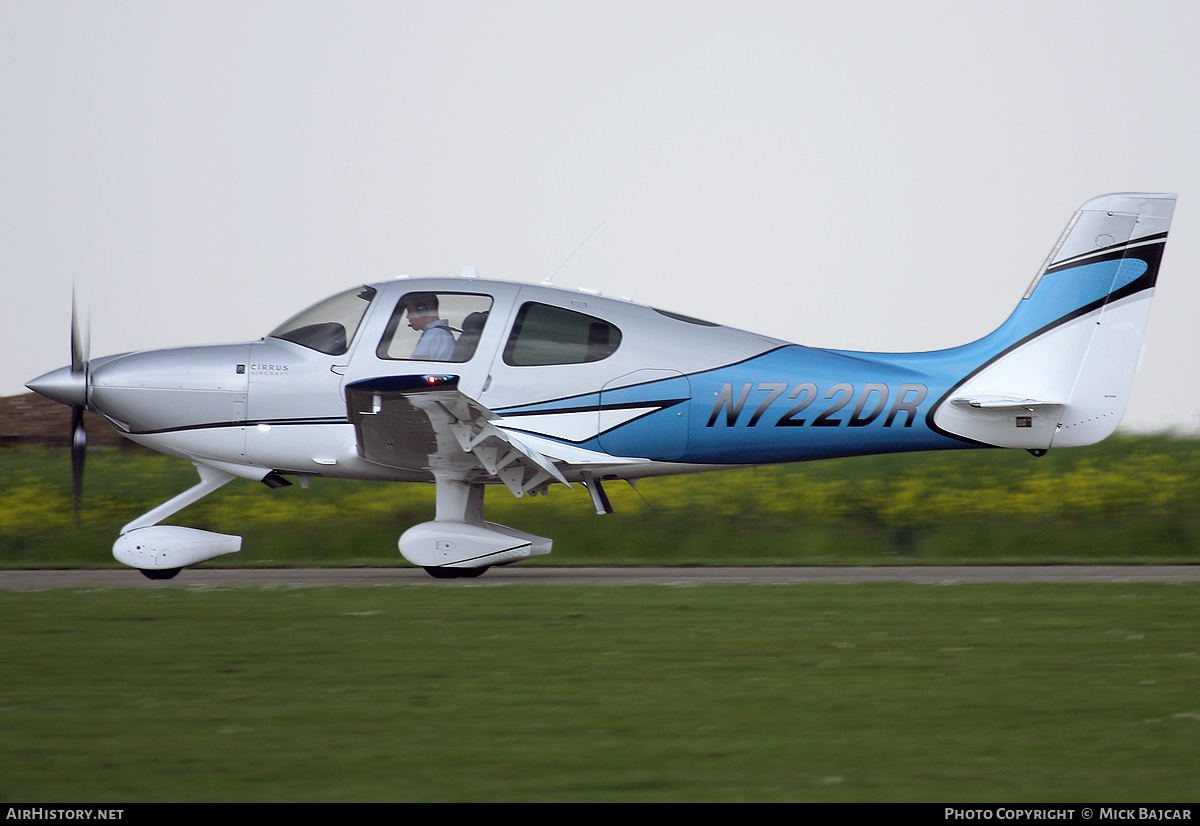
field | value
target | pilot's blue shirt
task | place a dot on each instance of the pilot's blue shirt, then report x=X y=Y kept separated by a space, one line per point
x=436 y=344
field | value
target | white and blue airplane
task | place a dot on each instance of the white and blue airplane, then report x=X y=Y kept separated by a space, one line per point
x=466 y=383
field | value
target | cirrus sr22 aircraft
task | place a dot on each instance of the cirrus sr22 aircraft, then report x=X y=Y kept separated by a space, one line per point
x=467 y=383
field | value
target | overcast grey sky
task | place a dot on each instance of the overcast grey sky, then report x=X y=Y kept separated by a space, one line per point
x=863 y=175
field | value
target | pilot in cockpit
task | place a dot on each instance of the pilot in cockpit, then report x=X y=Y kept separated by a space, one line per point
x=437 y=341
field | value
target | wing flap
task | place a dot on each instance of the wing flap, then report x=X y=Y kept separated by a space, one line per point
x=426 y=424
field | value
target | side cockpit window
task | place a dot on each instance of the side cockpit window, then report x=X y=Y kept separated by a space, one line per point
x=428 y=326
x=543 y=334
x=328 y=327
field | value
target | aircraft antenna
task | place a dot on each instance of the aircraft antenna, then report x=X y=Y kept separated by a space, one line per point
x=645 y=501
x=550 y=277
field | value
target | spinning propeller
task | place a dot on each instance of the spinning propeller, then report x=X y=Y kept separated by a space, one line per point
x=79 y=375
x=69 y=386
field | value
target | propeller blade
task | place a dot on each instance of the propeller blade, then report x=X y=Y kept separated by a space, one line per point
x=78 y=455
x=80 y=345
x=79 y=340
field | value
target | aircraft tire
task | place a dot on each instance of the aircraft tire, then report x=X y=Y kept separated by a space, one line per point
x=454 y=573
x=164 y=573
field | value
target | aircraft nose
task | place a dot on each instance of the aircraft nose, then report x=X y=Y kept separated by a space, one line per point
x=63 y=386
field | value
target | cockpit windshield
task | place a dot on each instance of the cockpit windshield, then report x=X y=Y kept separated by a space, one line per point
x=328 y=327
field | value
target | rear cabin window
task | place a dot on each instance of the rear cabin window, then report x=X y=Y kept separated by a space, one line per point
x=435 y=327
x=543 y=334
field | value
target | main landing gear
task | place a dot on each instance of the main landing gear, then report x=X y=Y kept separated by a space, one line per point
x=458 y=543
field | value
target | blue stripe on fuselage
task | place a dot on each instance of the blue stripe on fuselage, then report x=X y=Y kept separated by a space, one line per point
x=799 y=403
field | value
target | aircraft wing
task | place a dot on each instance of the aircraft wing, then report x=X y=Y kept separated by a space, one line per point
x=425 y=423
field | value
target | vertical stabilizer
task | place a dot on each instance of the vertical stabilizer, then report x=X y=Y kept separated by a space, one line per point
x=1058 y=371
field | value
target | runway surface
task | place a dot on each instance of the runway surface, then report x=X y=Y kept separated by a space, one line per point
x=415 y=577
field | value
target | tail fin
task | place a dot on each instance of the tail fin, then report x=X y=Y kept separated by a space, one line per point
x=1058 y=371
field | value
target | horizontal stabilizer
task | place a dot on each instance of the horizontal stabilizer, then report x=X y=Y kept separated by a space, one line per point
x=1001 y=403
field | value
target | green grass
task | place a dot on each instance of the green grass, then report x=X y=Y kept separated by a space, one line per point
x=1130 y=499
x=1001 y=693
x=972 y=693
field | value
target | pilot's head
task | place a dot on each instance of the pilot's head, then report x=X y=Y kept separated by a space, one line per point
x=422 y=310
